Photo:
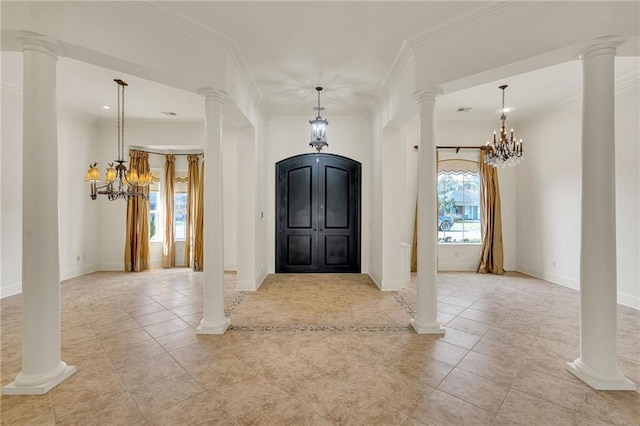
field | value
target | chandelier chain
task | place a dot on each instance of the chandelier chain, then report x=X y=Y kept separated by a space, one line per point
x=505 y=150
x=119 y=133
x=120 y=182
x=122 y=127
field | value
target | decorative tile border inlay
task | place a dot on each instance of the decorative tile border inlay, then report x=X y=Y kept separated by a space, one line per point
x=237 y=300
x=403 y=304
x=321 y=328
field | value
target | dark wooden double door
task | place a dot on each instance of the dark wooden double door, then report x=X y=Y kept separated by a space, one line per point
x=318 y=214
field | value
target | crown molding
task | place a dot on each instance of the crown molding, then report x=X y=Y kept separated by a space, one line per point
x=484 y=16
x=404 y=59
x=157 y=14
x=11 y=91
x=459 y=27
x=622 y=83
x=627 y=81
x=14 y=92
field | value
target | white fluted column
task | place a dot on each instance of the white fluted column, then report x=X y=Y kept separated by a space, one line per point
x=426 y=320
x=42 y=368
x=598 y=362
x=214 y=320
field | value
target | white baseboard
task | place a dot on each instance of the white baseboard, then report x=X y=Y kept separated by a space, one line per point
x=392 y=286
x=466 y=266
x=10 y=290
x=261 y=278
x=629 y=300
x=373 y=278
x=110 y=267
x=76 y=272
x=245 y=285
x=548 y=276
x=623 y=298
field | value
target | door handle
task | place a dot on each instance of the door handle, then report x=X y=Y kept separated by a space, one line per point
x=315 y=227
x=321 y=229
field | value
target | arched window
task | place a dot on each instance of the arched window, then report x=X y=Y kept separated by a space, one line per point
x=458 y=197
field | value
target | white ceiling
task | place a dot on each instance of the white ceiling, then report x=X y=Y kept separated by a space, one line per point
x=346 y=47
x=86 y=88
x=527 y=94
x=291 y=47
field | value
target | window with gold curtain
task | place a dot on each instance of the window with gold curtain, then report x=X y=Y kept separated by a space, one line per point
x=168 y=245
x=198 y=244
x=491 y=255
x=136 y=250
x=192 y=208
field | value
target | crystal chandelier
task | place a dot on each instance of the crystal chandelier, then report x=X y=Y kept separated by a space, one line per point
x=118 y=181
x=506 y=151
x=318 y=128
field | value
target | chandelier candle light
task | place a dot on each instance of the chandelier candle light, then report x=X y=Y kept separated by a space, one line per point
x=318 y=128
x=505 y=151
x=119 y=182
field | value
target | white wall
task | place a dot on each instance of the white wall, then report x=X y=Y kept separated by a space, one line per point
x=349 y=137
x=230 y=196
x=375 y=205
x=394 y=213
x=628 y=195
x=548 y=199
x=77 y=214
x=264 y=170
x=163 y=135
x=11 y=181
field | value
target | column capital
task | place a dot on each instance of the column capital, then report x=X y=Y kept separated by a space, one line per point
x=600 y=46
x=209 y=93
x=427 y=95
x=41 y=45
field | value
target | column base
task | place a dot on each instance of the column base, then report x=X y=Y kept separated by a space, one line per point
x=432 y=327
x=213 y=328
x=597 y=379
x=40 y=384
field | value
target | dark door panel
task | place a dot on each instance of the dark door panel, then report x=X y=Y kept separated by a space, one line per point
x=299 y=182
x=299 y=250
x=318 y=214
x=336 y=204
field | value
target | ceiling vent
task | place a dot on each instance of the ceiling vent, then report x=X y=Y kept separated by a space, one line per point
x=464 y=109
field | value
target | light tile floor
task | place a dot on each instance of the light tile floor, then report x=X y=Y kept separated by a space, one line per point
x=318 y=350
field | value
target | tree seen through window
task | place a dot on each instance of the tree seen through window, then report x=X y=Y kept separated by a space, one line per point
x=459 y=207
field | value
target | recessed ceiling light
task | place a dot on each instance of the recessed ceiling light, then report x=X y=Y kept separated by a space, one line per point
x=106 y=107
x=169 y=113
